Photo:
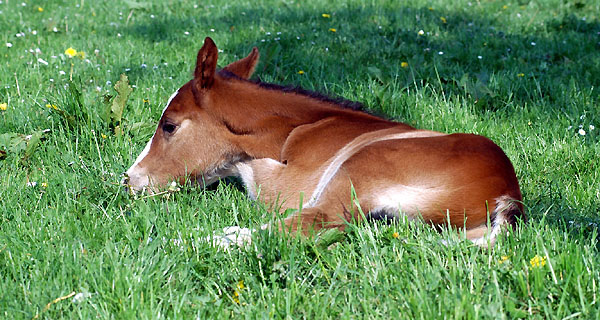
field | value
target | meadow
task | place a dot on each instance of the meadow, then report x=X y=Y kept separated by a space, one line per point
x=74 y=244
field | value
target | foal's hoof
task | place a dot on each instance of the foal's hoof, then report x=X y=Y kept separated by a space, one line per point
x=232 y=236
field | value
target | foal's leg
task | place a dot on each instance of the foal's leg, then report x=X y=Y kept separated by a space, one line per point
x=314 y=219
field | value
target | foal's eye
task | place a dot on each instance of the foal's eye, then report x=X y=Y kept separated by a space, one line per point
x=168 y=127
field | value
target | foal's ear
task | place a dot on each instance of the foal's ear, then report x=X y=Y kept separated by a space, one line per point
x=206 y=64
x=244 y=68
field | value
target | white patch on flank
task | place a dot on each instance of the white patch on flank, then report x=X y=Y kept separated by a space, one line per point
x=403 y=198
x=352 y=148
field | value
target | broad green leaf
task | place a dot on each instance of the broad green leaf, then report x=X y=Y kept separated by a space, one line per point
x=118 y=104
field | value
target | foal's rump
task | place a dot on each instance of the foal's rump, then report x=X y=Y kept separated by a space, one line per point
x=458 y=176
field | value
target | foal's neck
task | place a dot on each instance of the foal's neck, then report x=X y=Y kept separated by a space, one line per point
x=267 y=115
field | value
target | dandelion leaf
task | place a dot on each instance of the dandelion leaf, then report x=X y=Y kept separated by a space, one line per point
x=118 y=104
x=32 y=144
x=13 y=143
x=16 y=144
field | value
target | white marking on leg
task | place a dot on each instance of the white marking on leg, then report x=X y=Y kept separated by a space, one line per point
x=503 y=204
x=232 y=236
x=352 y=148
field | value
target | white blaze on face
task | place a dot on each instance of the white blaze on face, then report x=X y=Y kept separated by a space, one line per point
x=138 y=177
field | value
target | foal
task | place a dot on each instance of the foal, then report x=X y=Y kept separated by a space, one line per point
x=290 y=144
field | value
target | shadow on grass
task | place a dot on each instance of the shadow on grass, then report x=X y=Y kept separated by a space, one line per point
x=483 y=58
x=459 y=52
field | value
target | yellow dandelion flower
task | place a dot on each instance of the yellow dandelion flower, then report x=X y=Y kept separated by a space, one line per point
x=103 y=136
x=326 y=15
x=443 y=19
x=395 y=235
x=71 y=52
x=236 y=293
x=44 y=185
x=404 y=64
x=505 y=7
x=430 y=8
x=520 y=75
x=51 y=106
x=537 y=261
x=40 y=9
x=3 y=106
x=333 y=29
x=300 y=72
x=146 y=101
x=503 y=259
x=81 y=54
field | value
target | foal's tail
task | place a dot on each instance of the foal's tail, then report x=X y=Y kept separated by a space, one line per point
x=506 y=214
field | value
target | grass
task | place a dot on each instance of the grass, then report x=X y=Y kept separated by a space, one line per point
x=524 y=73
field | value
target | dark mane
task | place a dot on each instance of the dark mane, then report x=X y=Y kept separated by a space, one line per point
x=341 y=102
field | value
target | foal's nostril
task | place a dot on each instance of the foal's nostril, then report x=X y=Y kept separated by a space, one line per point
x=125 y=180
x=125 y=183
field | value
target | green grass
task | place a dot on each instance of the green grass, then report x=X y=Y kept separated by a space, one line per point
x=77 y=231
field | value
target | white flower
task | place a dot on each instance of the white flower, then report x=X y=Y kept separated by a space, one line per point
x=581 y=132
x=479 y=57
x=81 y=296
x=62 y=73
x=592 y=127
x=441 y=53
x=421 y=32
x=8 y=44
x=533 y=43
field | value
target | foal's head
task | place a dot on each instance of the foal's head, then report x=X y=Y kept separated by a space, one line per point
x=191 y=140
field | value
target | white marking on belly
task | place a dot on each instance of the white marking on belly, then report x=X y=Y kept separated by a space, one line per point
x=352 y=148
x=149 y=144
